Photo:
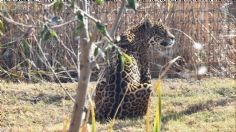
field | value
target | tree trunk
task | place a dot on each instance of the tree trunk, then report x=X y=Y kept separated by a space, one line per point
x=85 y=72
x=81 y=92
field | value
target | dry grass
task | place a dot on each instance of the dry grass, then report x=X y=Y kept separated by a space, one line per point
x=206 y=105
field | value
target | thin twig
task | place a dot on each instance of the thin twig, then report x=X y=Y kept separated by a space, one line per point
x=34 y=26
x=118 y=18
x=86 y=14
x=184 y=34
x=208 y=31
x=46 y=63
x=167 y=66
x=63 y=24
x=17 y=23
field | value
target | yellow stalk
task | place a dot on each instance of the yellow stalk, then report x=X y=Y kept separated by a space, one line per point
x=148 y=117
x=65 y=124
x=111 y=125
x=92 y=114
x=84 y=127
x=157 y=120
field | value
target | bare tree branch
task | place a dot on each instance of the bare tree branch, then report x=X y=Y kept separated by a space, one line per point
x=118 y=18
x=46 y=63
x=17 y=23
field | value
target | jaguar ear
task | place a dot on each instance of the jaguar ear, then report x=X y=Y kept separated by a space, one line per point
x=147 y=23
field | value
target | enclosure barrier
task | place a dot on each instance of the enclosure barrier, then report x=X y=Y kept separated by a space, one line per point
x=204 y=30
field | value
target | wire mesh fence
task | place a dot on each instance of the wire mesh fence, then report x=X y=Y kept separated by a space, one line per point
x=204 y=31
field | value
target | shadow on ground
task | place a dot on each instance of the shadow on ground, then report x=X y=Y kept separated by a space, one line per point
x=209 y=105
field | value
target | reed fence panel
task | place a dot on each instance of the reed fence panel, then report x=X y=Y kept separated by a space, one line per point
x=205 y=33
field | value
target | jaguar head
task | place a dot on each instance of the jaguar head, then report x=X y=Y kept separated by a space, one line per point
x=160 y=34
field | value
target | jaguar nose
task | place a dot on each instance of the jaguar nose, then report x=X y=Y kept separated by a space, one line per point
x=168 y=43
x=172 y=42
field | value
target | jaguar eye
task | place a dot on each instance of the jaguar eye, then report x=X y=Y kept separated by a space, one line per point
x=162 y=33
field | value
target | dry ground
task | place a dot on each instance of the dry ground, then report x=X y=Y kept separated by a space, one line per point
x=207 y=105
